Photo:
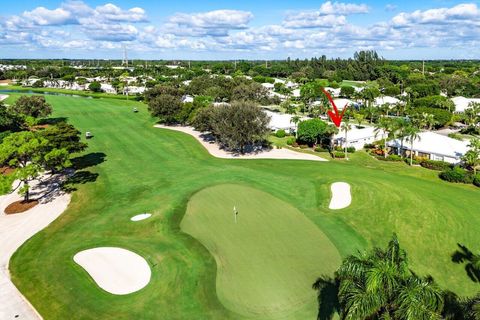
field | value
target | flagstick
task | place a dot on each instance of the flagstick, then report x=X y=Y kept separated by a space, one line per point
x=235 y=213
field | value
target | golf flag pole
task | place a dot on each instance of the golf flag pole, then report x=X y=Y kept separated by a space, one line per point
x=235 y=212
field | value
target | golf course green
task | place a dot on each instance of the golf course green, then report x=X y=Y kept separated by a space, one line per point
x=265 y=256
x=204 y=266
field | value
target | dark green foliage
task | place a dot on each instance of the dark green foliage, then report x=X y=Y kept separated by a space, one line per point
x=351 y=149
x=339 y=154
x=63 y=136
x=391 y=91
x=476 y=180
x=435 y=165
x=291 y=141
x=31 y=106
x=9 y=121
x=424 y=89
x=235 y=126
x=347 y=91
x=439 y=102
x=442 y=117
x=457 y=175
x=95 y=86
x=311 y=131
x=280 y=133
x=166 y=107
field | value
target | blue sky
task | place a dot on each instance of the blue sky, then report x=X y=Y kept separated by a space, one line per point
x=239 y=29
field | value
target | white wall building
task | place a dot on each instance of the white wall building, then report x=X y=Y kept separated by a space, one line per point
x=358 y=137
x=282 y=121
x=461 y=103
x=434 y=146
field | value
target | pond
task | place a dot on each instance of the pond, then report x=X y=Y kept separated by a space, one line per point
x=45 y=92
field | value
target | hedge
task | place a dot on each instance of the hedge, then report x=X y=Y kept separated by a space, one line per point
x=435 y=165
x=339 y=155
x=476 y=180
x=280 y=133
x=457 y=175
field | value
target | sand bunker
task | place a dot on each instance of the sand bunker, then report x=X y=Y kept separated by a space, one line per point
x=341 y=197
x=115 y=270
x=140 y=217
x=214 y=149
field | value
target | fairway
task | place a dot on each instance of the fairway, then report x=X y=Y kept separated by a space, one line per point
x=131 y=168
x=268 y=259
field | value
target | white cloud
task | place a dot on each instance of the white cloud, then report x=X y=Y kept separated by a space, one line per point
x=339 y=8
x=44 y=17
x=211 y=23
x=462 y=13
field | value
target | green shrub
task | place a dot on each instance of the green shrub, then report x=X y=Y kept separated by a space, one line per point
x=435 y=165
x=280 y=133
x=339 y=154
x=351 y=149
x=392 y=157
x=476 y=180
x=291 y=141
x=321 y=149
x=369 y=146
x=457 y=175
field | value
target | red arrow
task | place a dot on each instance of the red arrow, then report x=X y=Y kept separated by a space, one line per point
x=335 y=116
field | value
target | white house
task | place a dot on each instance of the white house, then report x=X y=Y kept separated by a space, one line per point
x=461 y=103
x=334 y=92
x=187 y=99
x=267 y=85
x=108 y=88
x=341 y=103
x=433 y=146
x=296 y=93
x=281 y=121
x=358 y=137
x=380 y=101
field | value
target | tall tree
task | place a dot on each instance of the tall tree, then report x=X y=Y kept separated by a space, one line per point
x=31 y=106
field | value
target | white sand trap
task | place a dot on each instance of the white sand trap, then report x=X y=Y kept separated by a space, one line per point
x=115 y=270
x=141 y=217
x=341 y=196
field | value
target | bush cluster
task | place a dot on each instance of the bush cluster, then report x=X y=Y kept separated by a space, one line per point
x=291 y=141
x=435 y=165
x=280 y=133
x=457 y=175
x=339 y=154
x=321 y=149
x=476 y=180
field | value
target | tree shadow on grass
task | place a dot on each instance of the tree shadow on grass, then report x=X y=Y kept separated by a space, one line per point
x=88 y=160
x=328 y=303
x=79 y=177
x=472 y=261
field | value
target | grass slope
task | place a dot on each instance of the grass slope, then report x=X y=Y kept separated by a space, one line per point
x=154 y=170
x=268 y=260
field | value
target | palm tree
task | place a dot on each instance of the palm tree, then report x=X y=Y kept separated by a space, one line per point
x=384 y=125
x=345 y=127
x=412 y=135
x=295 y=120
x=380 y=285
x=400 y=126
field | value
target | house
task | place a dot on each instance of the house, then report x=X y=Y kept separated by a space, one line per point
x=334 y=92
x=358 y=137
x=461 y=103
x=380 y=101
x=433 y=146
x=281 y=121
x=187 y=99
x=341 y=103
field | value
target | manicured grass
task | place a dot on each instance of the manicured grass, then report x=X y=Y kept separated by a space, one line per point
x=154 y=170
x=268 y=259
x=72 y=92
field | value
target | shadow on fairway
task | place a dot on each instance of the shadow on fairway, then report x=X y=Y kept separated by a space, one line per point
x=88 y=160
x=79 y=177
x=471 y=261
x=328 y=303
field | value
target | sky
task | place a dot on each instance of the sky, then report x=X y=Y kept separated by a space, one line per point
x=231 y=30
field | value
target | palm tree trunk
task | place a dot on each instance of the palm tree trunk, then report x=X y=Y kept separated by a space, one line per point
x=411 y=153
x=385 y=148
x=346 y=145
